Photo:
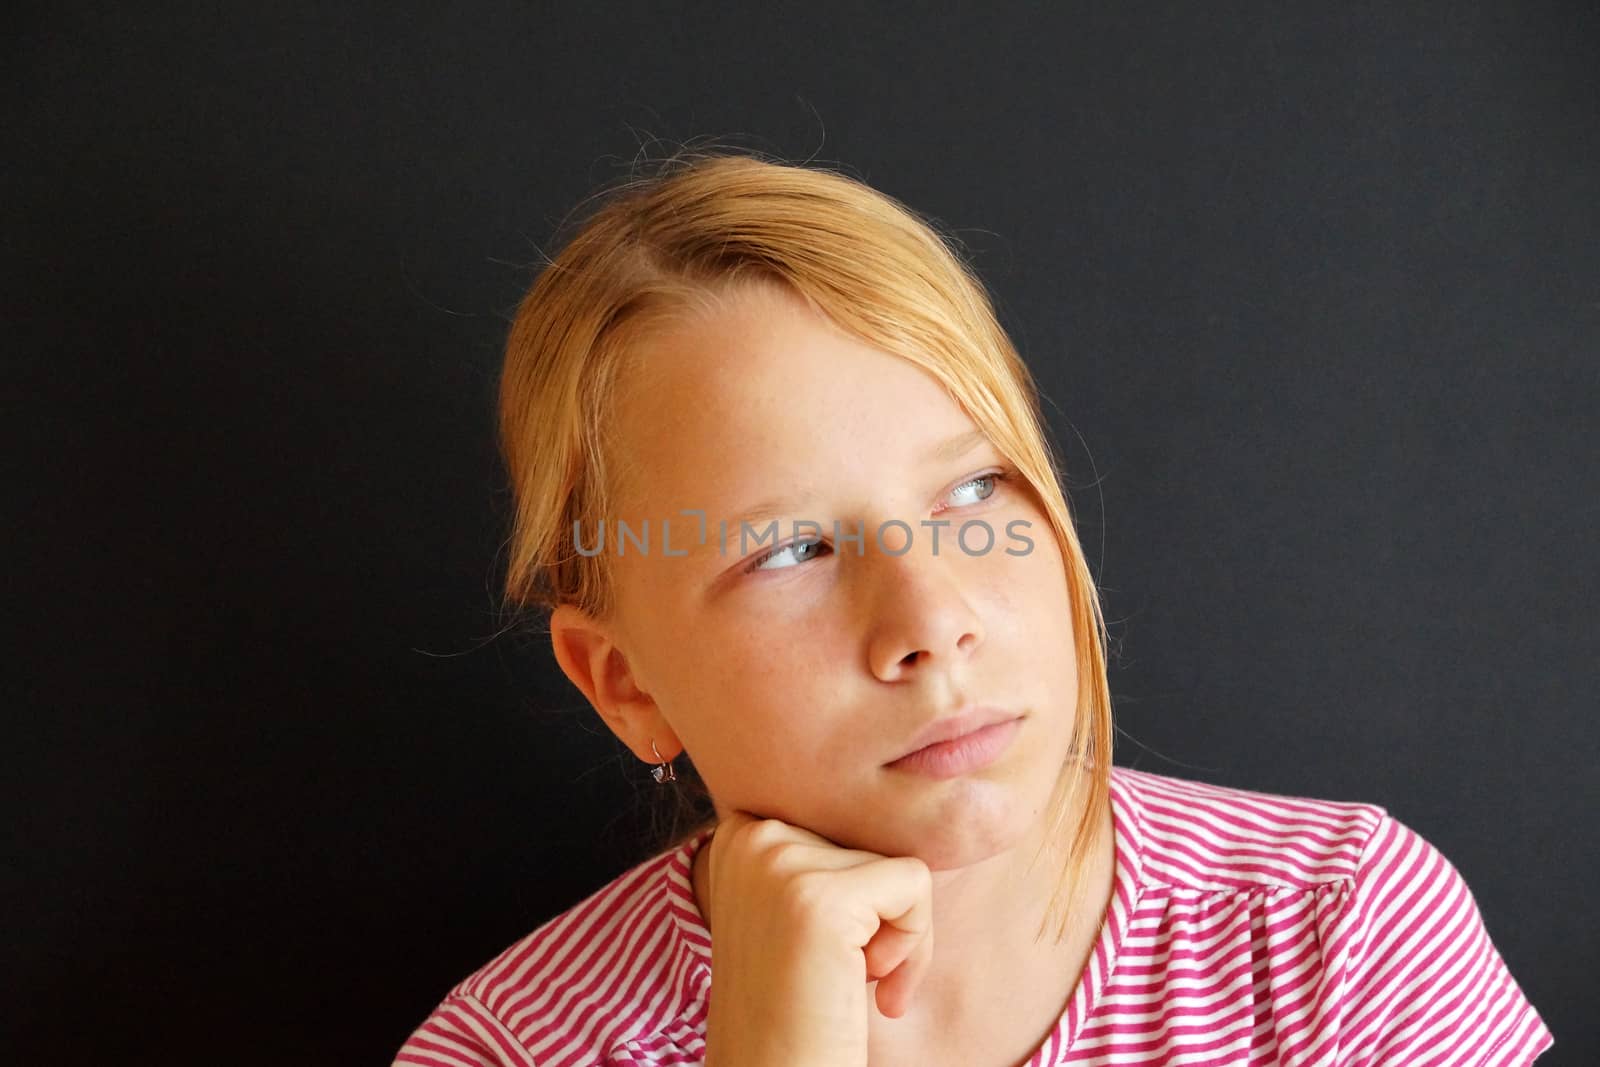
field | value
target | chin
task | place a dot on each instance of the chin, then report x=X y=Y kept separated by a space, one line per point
x=969 y=826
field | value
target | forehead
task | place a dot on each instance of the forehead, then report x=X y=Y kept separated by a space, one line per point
x=762 y=392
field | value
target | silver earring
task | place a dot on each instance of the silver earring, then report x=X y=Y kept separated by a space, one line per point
x=664 y=772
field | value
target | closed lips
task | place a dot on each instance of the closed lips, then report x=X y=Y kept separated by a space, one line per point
x=954 y=726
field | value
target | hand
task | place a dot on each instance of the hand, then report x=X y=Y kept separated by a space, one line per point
x=799 y=927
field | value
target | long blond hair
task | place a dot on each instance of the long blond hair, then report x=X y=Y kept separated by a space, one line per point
x=662 y=244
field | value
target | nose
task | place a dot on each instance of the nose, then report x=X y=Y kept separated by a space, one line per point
x=921 y=620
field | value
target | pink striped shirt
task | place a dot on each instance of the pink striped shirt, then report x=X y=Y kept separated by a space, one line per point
x=1246 y=928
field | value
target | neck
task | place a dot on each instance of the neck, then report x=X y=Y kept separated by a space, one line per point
x=994 y=932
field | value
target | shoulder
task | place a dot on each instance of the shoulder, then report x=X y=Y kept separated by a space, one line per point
x=1407 y=965
x=1421 y=974
x=1209 y=838
x=621 y=977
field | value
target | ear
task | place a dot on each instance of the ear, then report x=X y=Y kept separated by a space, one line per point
x=592 y=660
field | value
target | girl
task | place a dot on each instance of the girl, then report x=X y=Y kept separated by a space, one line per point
x=783 y=487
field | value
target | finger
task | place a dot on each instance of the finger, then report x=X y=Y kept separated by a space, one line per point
x=897 y=891
x=897 y=990
x=888 y=949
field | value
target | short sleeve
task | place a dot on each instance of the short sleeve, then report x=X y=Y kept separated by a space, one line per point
x=461 y=1032
x=682 y=1044
x=1422 y=982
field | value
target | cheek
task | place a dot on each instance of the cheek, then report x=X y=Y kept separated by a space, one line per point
x=1024 y=580
x=1030 y=609
x=778 y=676
x=759 y=694
x=1041 y=574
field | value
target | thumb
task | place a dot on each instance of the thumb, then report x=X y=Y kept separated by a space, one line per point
x=898 y=960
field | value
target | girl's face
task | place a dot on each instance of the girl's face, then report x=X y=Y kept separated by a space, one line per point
x=795 y=670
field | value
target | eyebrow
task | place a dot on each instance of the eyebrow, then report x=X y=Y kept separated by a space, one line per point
x=947 y=451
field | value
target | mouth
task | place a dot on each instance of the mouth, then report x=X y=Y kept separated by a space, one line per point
x=969 y=722
x=966 y=754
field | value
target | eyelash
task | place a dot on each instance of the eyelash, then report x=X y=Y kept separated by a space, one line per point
x=998 y=477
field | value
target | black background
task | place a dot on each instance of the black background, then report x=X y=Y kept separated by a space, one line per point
x=1313 y=291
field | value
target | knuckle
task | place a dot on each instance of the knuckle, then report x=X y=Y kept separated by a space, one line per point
x=763 y=832
x=805 y=894
x=779 y=856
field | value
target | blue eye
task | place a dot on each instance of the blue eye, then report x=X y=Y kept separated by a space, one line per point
x=991 y=480
x=757 y=563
